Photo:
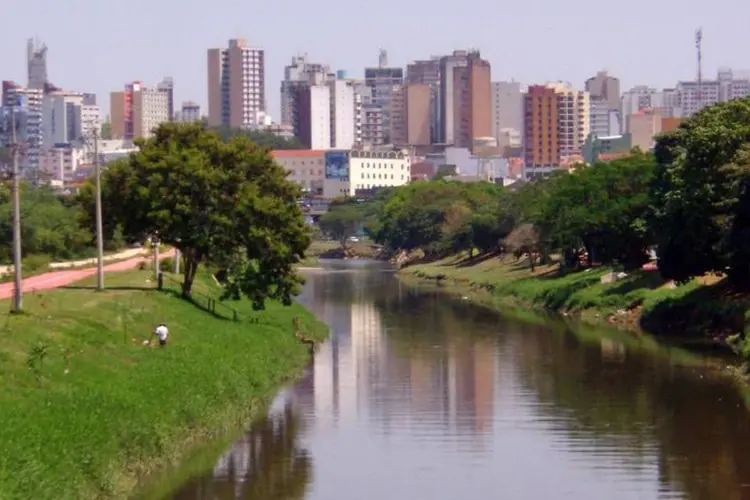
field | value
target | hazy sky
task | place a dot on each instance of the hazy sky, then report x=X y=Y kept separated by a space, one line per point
x=98 y=45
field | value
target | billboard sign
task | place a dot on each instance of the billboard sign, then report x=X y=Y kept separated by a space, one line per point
x=337 y=165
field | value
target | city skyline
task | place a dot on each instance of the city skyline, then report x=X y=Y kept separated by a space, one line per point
x=77 y=64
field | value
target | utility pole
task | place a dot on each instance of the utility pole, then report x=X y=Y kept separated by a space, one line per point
x=16 y=188
x=99 y=224
x=699 y=51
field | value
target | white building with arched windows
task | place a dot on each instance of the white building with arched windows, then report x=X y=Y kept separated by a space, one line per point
x=347 y=171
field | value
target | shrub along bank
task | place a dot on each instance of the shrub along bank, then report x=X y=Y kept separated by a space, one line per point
x=703 y=307
x=88 y=411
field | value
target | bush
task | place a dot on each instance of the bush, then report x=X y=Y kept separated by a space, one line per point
x=167 y=264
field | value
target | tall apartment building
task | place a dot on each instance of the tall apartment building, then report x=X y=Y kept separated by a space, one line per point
x=604 y=122
x=167 y=86
x=473 y=101
x=410 y=115
x=556 y=125
x=603 y=87
x=311 y=121
x=507 y=109
x=465 y=104
x=300 y=71
x=382 y=81
x=137 y=110
x=427 y=72
x=446 y=107
x=236 y=85
x=66 y=118
x=604 y=92
x=692 y=97
x=343 y=120
x=36 y=64
x=27 y=103
x=372 y=125
x=190 y=112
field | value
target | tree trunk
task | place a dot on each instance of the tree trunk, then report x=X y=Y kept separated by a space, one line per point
x=192 y=259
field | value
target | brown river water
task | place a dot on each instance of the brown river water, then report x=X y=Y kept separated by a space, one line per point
x=421 y=396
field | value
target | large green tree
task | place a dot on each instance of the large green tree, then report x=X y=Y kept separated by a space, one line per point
x=224 y=202
x=602 y=208
x=48 y=225
x=702 y=167
x=342 y=222
x=439 y=216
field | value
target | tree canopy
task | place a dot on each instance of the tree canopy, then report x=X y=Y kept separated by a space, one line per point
x=49 y=225
x=263 y=138
x=689 y=201
x=221 y=202
x=601 y=211
x=342 y=222
x=702 y=176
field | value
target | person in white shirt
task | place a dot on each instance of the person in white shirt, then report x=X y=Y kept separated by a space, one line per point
x=162 y=332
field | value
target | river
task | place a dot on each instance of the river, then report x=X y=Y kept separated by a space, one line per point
x=420 y=396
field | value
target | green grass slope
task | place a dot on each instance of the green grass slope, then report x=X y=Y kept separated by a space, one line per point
x=86 y=411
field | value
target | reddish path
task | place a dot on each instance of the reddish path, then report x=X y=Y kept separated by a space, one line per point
x=57 y=279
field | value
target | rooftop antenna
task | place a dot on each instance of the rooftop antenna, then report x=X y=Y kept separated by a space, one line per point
x=699 y=50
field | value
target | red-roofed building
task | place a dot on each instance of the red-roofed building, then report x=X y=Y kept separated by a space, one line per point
x=305 y=166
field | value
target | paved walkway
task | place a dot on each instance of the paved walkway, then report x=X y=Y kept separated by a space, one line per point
x=125 y=254
x=57 y=279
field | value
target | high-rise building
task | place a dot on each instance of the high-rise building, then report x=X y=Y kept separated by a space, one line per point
x=236 y=85
x=604 y=122
x=693 y=97
x=475 y=103
x=312 y=115
x=300 y=71
x=27 y=103
x=604 y=92
x=167 y=86
x=410 y=115
x=556 y=125
x=383 y=80
x=343 y=120
x=446 y=107
x=190 y=112
x=66 y=118
x=137 y=110
x=507 y=109
x=603 y=87
x=36 y=61
x=465 y=104
x=427 y=72
x=373 y=125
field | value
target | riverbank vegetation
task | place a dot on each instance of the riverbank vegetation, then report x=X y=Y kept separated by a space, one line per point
x=54 y=228
x=657 y=239
x=226 y=203
x=88 y=411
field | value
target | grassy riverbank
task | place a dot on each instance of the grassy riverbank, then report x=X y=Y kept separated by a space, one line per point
x=641 y=300
x=87 y=411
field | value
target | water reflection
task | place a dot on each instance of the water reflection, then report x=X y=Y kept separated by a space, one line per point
x=267 y=463
x=420 y=396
